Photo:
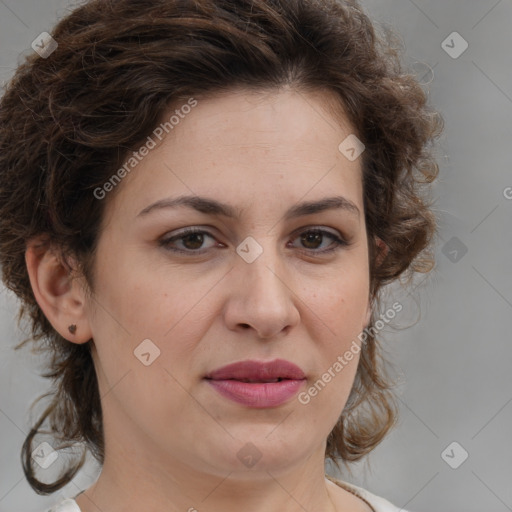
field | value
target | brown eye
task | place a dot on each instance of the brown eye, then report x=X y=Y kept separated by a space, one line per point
x=320 y=241
x=193 y=241
x=312 y=239
x=188 y=241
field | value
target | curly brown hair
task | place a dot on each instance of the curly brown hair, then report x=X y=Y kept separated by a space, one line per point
x=69 y=120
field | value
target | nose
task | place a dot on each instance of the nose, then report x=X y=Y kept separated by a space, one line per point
x=262 y=297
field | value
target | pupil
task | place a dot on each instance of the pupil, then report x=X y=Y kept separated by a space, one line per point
x=198 y=237
x=313 y=237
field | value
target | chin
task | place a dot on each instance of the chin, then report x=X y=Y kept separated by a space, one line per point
x=256 y=449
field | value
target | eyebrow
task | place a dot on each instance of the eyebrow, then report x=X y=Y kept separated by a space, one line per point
x=214 y=207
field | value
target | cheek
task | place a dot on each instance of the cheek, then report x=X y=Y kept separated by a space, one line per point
x=134 y=304
x=145 y=330
x=147 y=301
x=341 y=303
x=341 y=307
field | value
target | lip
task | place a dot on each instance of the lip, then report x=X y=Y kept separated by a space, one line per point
x=255 y=383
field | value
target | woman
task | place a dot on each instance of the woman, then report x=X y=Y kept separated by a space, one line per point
x=200 y=203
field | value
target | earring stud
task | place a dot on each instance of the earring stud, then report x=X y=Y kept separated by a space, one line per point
x=72 y=328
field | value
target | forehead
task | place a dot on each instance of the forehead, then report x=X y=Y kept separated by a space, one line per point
x=276 y=144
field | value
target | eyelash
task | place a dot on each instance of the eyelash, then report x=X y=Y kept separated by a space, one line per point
x=338 y=242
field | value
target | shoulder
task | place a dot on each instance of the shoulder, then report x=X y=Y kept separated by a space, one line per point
x=67 y=505
x=377 y=503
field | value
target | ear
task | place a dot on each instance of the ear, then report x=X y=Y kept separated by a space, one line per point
x=368 y=315
x=383 y=250
x=58 y=291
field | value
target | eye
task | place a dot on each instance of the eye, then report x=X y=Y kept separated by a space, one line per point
x=314 y=239
x=189 y=240
x=192 y=241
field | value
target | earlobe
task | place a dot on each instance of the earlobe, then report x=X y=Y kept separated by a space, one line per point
x=366 y=319
x=383 y=250
x=58 y=292
x=368 y=315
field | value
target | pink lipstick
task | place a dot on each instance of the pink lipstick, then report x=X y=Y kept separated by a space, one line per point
x=258 y=384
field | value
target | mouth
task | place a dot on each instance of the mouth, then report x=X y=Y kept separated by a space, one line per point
x=264 y=381
x=258 y=384
x=258 y=371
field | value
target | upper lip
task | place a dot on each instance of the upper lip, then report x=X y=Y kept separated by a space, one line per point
x=258 y=371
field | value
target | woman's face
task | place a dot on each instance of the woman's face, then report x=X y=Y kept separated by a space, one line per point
x=267 y=282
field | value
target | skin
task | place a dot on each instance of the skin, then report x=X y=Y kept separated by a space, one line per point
x=171 y=439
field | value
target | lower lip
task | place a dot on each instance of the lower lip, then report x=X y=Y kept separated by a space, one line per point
x=258 y=394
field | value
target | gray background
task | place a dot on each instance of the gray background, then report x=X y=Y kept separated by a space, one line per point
x=452 y=344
